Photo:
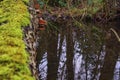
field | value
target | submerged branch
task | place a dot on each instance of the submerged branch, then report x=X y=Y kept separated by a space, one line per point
x=116 y=34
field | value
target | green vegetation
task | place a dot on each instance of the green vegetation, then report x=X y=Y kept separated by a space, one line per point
x=14 y=59
x=103 y=10
x=91 y=6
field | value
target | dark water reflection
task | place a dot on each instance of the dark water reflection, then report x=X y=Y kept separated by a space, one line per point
x=79 y=54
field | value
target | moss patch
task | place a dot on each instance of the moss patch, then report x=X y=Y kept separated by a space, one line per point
x=13 y=57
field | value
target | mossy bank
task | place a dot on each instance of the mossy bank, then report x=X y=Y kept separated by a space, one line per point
x=14 y=60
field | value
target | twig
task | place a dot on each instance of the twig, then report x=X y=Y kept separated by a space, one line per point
x=116 y=34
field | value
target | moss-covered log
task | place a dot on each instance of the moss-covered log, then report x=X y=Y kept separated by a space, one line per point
x=14 y=60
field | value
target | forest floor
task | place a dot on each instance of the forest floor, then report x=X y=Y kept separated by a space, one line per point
x=94 y=14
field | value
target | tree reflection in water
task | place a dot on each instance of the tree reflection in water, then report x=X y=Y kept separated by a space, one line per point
x=77 y=54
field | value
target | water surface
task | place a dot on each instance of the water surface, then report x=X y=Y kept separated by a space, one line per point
x=74 y=53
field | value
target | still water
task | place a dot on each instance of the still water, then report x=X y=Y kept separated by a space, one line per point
x=90 y=52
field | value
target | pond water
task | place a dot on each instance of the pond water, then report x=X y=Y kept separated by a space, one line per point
x=90 y=52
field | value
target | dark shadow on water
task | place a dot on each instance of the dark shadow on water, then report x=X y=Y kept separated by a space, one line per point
x=79 y=54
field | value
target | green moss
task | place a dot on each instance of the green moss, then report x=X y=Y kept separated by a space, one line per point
x=13 y=57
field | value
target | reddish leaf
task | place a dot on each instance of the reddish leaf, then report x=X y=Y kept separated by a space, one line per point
x=42 y=22
x=37 y=6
